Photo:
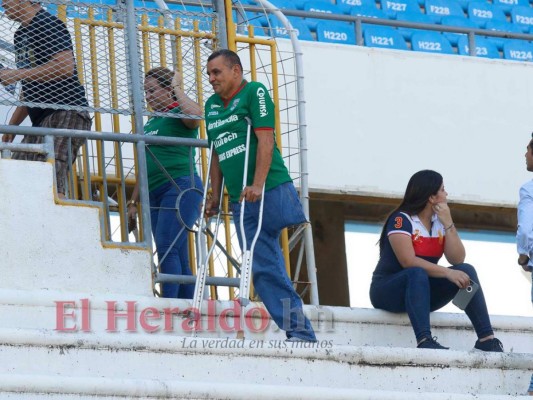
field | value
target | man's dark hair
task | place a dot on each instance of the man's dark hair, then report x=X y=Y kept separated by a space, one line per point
x=230 y=57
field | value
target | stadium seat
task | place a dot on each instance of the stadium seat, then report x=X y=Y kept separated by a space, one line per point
x=480 y=13
x=518 y=50
x=300 y=4
x=508 y=5
x=186 y=20
x=302 y=30
x=412 y=17
x=322 y=7
x=431 y=42
x=522 y=17
x=484 y=47
x=384 y=37
x=284 y=4
x=346 y=6
x=437 y=9
x=458 y=22
x=371 y=12
x=464 y=4
x=502 y=27
x=335 y=32
x=394 y=7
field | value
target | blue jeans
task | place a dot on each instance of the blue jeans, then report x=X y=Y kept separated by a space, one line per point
x=166 y=227
x=281 y=209
x=413 y=291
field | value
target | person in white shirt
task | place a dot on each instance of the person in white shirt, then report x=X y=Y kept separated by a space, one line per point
x=524 y=234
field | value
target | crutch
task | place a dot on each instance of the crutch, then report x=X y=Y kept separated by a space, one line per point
x=248 y=254
x=203 y=256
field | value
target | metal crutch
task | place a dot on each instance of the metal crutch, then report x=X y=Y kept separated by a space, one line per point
x=248 y=254
x=203 y=257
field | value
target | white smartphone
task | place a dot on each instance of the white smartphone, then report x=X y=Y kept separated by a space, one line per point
x=463 y=296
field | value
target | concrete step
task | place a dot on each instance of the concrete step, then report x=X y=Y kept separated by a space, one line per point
x=274 y=362
x=49 y=309
x=50 y=387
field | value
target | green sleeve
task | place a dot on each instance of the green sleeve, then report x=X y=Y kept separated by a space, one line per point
x=261 y=107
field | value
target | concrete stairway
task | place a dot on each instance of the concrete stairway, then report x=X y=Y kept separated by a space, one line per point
x=78 y=322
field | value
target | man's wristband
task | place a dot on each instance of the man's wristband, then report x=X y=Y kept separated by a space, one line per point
x=450 y=227
x=131 y=203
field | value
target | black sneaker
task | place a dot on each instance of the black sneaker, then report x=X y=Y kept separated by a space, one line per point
x=490 y=345
x=431 y=343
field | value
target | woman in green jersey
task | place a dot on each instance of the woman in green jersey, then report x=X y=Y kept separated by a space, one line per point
x=164 y=94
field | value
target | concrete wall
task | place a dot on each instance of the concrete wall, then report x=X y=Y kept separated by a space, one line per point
x=377 y=116
x=58 y=246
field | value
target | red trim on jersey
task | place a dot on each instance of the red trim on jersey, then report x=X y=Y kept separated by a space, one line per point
x=226 y=102
x=172 y=106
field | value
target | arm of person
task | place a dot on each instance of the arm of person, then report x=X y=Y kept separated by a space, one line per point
x=524 y=234
x=265 y=150
x=19 y=115
x=402 y=246
x=60 y=66
x=454 y=250
x=132 y=203
x=211 y=207
x=187 y=105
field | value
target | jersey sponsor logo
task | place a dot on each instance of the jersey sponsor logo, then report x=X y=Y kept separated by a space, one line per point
x=224 y=138
x=232 y=152
x=262 y=102
x=235 y=104
x=151 y=133
x=212 y=113
x=219 y=122
x=215 y=106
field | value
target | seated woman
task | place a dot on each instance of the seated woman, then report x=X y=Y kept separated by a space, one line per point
x=164 y=94
x=408 y=277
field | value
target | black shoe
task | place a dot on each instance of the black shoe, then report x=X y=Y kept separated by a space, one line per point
x=431 y=343
x=489 y=345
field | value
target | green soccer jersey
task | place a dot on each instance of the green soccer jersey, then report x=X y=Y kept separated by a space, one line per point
x=175 y=159
x=227 y=127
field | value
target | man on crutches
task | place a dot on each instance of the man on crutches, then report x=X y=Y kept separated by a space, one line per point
x=226 y=113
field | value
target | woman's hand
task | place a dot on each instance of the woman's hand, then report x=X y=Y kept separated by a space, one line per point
x=460 y=278
x=443 y=213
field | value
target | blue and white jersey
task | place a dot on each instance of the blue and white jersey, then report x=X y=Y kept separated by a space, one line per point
x=427 y=245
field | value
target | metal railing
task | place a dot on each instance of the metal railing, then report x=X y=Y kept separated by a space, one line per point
x=113 y=46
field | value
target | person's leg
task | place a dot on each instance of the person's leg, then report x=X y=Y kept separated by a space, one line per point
x=443 y=291
x=168 y=234
x=22 y=155
x=64 y=146
x=190 y=208
x=477 y=308
x=270 y=278
x=406 y=291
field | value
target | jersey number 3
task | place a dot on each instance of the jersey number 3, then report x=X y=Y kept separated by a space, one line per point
x=399 y=222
